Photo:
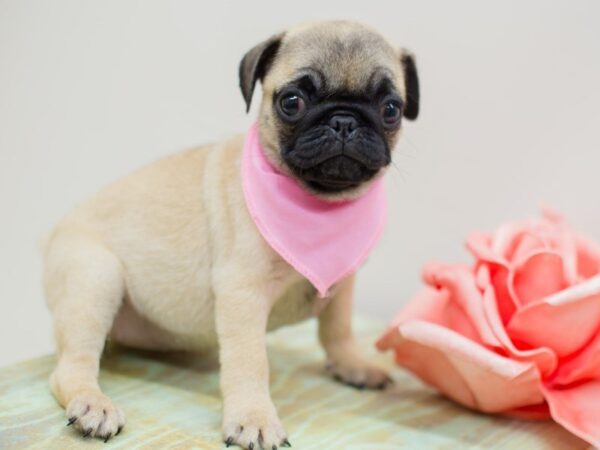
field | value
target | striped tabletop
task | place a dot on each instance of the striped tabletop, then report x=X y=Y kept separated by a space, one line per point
x=172 y=402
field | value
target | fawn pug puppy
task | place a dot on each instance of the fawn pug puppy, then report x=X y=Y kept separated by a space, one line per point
x=169 y=257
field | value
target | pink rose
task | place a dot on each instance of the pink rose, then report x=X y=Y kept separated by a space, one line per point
x=516 y=333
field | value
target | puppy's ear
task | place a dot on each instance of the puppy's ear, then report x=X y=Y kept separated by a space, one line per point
x=411 y=79
x=255 y=64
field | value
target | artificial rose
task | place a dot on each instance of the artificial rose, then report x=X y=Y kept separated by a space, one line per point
x=516 y=333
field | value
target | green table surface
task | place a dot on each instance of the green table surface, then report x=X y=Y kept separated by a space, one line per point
x=172 y=402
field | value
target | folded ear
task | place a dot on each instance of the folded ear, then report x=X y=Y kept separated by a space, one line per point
x=255 y=64
x=411 y=80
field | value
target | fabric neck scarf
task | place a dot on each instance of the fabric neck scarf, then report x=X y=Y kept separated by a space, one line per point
x=324 y=241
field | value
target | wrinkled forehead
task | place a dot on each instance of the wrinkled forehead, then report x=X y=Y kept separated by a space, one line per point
x=346 y=59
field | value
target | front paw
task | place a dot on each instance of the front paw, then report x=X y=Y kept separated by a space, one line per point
x=253 y=427
x=95 y=415
x=359 y=374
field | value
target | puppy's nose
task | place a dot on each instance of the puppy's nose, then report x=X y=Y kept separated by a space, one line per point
x=343 y=124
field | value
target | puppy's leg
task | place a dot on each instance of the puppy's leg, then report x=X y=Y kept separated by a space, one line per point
x=344 y=360
x=249 y=416
x=84 y=289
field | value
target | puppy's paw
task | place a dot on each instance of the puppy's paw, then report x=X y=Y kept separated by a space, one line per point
x=95 y=415
x=359 y=374
x=254 y=428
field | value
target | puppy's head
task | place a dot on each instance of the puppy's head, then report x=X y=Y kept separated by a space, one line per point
x=334 y=96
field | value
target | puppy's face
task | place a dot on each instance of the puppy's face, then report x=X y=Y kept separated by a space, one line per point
x=334 y=95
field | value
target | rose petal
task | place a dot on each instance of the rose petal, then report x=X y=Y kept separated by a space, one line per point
x=567 y=248
x=507 y=237
x=480 y=246
x=530 y=412
x=460 y=282
x=583 y=366
x=506 y=299
x=566 y=244
x=434 y=305
x=496 y=273
x=528 y=244
x=443 y=305
x=544 y=358
x=537 y=276
x=563 y=322
x=551 y=214
x=515 y=241
x=588 y=256
x=428 y=304
x=463 y=370
x=577 y=409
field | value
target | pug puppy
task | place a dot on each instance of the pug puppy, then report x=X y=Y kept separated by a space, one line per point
x=169 y=258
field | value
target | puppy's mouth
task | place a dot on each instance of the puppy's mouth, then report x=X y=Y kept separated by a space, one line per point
x=336 y=174
x=331 y=185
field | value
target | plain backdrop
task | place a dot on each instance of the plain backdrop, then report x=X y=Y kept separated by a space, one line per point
x=90 y=90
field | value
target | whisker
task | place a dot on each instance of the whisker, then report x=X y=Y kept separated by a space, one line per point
x=402 y=175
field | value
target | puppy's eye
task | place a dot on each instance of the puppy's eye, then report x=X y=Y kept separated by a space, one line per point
x=292 y=105
x=390 y=113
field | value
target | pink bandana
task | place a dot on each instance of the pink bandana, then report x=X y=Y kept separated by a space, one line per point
x=324 y=241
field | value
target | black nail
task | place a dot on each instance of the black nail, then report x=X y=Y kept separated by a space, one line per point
x=228 y=441
x=71 y=421
x=88 y=432
x=360 y=386
x=107 y=438
x=274 y=447
x=251 y=446
x=118 y=431
x=286 y=443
